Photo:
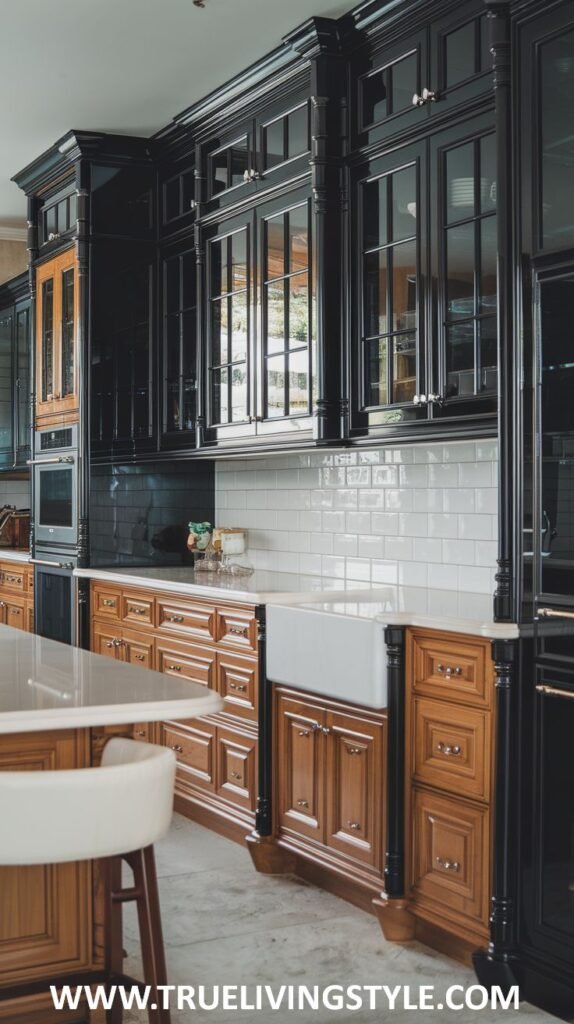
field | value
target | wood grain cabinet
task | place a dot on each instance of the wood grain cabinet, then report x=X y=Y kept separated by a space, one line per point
x=57 y=316
x=449 y=742
x=17 y=595
x=330 y=788
x=207 y=643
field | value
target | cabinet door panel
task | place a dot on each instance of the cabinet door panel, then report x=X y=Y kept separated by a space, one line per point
x=451 y=748
x=137 y=609
x=105 y=640
x=237 y=768
x=238 y=684
x=56 y=338
x=301 y=751
x=186 y=618
x=186 y=661
x=461 y=62
x=137 y=649
x=384 y=85
x=15 y=612
x=194 y=746
x=453 y=668
x=355 y=772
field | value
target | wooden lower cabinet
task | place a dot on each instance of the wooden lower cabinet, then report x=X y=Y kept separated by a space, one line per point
x=207 y=643
x=17 y=595
x=449 y=690
x=330 y=791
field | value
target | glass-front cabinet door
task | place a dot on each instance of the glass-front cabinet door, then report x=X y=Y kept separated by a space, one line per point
x=389 y=364
x=22 y=340
x=464 y=271
x=56 y=339
x=179 y=345
x=6 y=384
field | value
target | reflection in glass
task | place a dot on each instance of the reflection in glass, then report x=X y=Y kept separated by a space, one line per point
x=375 y=213
x=67 y=354
x=238 y=392
x=299 y=382
x=275 y=307
x=460 y=183
x=460 y=271
x=298 y=311
x=47 y=339
x=557 y=128
x=56 y=497
x=275 y=228
x=404 y=192
x=219 y=332
x=298 y=239
x=238 y=261
x=488 y=254
x=404 y=367
x=219 y=396
x=5 y=381
x=488 y=335
x=404 y=294
x=375 y=293
x=485 y=54
x=218 y=283
x=219 y=178
x=298 y=132
x=374 y=98
x=404 y=82
x=376 y=372
x=274 y=143
x=238 y=162
x=276 y=386
x=488 y=173
x=460 y=54
x=460 y=359
x=239 y=327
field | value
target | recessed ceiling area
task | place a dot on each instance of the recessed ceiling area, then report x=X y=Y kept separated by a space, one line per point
x=123 y=66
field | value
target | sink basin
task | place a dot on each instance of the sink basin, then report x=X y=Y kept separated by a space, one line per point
x=334 y=655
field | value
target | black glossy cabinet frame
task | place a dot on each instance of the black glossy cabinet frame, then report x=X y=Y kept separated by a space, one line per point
x=15 y=401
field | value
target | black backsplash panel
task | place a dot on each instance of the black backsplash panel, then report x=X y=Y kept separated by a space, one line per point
x=139 y=514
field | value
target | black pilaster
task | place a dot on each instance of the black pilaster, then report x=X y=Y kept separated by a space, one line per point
x=395 y=853
x=32 y=248
x=263 y=813
x=497 y=964
x=499 y=18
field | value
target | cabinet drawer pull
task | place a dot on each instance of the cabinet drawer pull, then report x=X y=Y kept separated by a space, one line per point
x=109 y=602
x=447 y=749
x=174 y=618
x=238 y=630
x=448 y=865
x=325 y=729
x=236 y=775
x=302 y=803
x=173 y=668
x=354 y=750
x=140 y=657
x=177 y=748
x=240 y=687
x=449 y=670
x=2 y=604
x=354 y=826
x=303 y=732
x=13 y=579
x=136 y=611
x=140 y=732
x=15 y=611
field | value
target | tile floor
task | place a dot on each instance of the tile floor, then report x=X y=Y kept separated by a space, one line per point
x=225 y=924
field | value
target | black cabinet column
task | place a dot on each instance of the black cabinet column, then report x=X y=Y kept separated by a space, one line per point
x=320 y=40
x=504 y=598
x=497 y=965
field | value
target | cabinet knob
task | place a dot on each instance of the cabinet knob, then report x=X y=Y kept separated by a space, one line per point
x=53 y=236
x=136 y=611
x=238 y=630
x=236 y=775
x=109 y=602
x=426 y=96
x=140 y=732
x=419 y=399
x=435 y=399
x=302 y=803
x=354 y=826
x=448 y=750
x=177 y=748
x=325 y=730
x=173 y=668
x=251 y=175
x=354 y=750
x=140 y=657
x=174 y=618
x=303 y=732
x=448 y=670
x=448 y=865
x=237 y=686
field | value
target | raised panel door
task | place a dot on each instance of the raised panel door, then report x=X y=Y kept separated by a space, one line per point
x=355 y=792
x=105 y=640
x=137 y=649
x=301 y=768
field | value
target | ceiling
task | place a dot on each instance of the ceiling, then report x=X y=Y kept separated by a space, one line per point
x=121 y=66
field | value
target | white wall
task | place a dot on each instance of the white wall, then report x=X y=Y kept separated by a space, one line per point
x=417 y=515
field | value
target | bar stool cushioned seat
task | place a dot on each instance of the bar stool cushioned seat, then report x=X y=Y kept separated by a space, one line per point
x=114 y=812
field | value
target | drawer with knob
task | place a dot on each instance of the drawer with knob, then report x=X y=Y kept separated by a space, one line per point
x=450 y=863
x=12 y=579
x=456 y=668
x=237 y=683
x=194 y=747
x=237 y=768
x=137 y=649
x=451 y=748
x=14 y=613
x=106 y=602
x=142 y=732
x=178 y=616
x=186 y=661
x=237 y=628
x=137 y=610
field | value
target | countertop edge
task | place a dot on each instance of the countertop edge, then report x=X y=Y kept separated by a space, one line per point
x=53 y=719
x=487 y=630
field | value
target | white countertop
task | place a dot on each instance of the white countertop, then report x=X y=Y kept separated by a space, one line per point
x=425 y=607
x=14 y=555
x=260 y=588
x=47 y=685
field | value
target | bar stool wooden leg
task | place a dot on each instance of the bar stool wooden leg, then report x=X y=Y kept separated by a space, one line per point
x=115 y=934
x=153 y=952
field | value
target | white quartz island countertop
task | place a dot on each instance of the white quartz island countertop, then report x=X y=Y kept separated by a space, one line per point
x=14 y=555
x=448 y=610
x=47 y=685
x=260 y=588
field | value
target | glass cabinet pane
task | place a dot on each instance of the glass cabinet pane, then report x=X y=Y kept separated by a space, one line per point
x=68 y=327
x=390 y=287
x=6 y=326
x=390 y=89
x=557 y=128
x=229 y=327
x=47 y=340
x=23 y=342
x=180 y=349
x=227 y=166
x=461 y=54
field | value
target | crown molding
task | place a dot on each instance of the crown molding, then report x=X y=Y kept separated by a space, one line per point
x=12 y=234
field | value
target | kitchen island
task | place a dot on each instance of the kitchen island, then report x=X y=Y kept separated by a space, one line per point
x=58 y=706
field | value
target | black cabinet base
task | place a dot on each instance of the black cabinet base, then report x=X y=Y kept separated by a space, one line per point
x=496 y=971
x=547 y=988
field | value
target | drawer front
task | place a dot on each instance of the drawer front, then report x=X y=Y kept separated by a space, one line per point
x=458 y=670
x=142 y=732
x=237 y=628
x=451 y=748
x=12 y=579
x=186 y=661
x=238 y=684
x=237 y=768
x=185 y=618
x=194 y=746
x=137 y=610
x=15 y=612
x=106 y=602
x=450 y=855
x=137 y=649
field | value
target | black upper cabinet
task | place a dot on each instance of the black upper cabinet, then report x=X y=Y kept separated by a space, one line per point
x=178 y=283
x=57 y=217
x=176 y=195
x=398 y=84
x=258 y=153
x=260 y=323
x=15 y=401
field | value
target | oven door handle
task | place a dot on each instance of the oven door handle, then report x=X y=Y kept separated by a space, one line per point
x=54 y=565
x=554 y=613
x=554 y=691
x=57 y=460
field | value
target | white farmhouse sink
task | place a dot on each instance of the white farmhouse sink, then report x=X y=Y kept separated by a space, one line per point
x=329 y=653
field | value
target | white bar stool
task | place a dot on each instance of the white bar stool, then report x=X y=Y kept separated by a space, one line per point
x=117 y=812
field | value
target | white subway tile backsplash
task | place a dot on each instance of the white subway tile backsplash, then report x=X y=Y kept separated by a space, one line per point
x=416 y=514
